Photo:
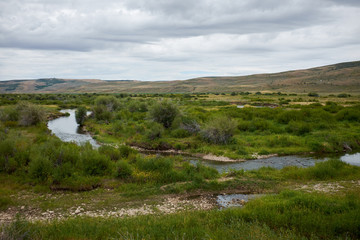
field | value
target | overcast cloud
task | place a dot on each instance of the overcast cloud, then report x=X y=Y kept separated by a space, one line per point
x=173 y=39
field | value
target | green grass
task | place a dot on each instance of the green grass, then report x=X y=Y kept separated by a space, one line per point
x=187 y=225
x=330 y=170
x=288 y=215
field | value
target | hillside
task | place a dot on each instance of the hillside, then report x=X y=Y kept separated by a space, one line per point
x=337 y=78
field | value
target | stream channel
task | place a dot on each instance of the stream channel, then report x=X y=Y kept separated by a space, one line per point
x=68 y=130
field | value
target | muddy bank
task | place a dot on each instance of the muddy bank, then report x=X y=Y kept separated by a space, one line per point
x=209 y=157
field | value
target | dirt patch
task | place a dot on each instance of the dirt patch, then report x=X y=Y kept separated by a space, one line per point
x=166 y=206
x=332 y=187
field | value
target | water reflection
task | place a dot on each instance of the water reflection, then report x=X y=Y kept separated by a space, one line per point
x=68 y=130
x=274 y=162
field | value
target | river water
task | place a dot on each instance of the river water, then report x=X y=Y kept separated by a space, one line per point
x=68 y=130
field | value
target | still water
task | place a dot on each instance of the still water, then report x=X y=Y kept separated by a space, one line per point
x=68 y=130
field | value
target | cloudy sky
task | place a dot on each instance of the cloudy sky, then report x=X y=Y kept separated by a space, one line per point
x=173 y=39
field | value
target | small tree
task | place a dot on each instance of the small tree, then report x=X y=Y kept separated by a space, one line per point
x=80 y=115
x=164 y=113
x=219 y=131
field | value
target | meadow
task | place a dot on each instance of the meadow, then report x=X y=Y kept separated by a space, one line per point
x=43 y=176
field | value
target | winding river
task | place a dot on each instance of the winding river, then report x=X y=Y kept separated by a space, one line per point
x=68 y=130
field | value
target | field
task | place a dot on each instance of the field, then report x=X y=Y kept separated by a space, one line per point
x=140 y=184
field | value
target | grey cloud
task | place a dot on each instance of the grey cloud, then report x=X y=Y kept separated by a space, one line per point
x=62 y=25
x=173 y=38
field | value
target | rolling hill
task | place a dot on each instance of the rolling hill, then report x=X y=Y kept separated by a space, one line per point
x=337 y=78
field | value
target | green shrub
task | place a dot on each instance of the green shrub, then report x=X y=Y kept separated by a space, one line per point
x=113 y=153
x=343 y=95
x=164 y=113
x=80 y=115
x=190 y=125
x=313 y=94
x=219 y=130
x=351 y=115
x=110 y=103
x=126 y=151
x=298 y=128
x=155 y=131
x=40 y=168
x=9 y=114
x=101 y=113
x=155 y=164
x=311 y=215
x=123 y=170
x=30 y=114
x=286 y=116
x=95 y=164
x=180 y=133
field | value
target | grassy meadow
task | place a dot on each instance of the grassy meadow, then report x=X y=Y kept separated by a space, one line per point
x=128 y=189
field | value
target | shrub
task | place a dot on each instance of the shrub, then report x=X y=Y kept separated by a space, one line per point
x=80 y=115
x=9 y=114
x=95 y=164
x=190 y=125
x=343 y=95
x=313 y=94
x=109 y=102
x=30 y=114
x=164 y=113
x=352 y=115
x=180 y=133
x=286 y=116
x=155 y=164
x=154 y=132
x=40 y=168
x=113 y=153
x=125 y=151
x=298 y=128
x=101 y=113
x=123 y=170
x=219 y=130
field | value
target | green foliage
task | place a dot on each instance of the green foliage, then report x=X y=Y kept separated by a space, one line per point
x=40 y=168
x=113 y=153
x=333 y=169
x=154 y=131
x=110 y=103
x=30 y=114
x=5 y=202
x=352 y=115
x=343 y=95
x=313 y=94
x=308 y=214
x=185 y=225
x=298 y=128
x=123 y=170
x=164 y=112
x=180 y=133
x=94 y=163
x=101 y=113
x=190 y=125
x=9 y=114
x=80 y=115
x=219 y=130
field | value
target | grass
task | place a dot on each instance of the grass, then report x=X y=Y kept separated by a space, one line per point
x=188 y=225
x=41 y=173
x=288 y=215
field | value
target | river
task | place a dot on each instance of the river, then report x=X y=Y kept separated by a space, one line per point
x=68 y=130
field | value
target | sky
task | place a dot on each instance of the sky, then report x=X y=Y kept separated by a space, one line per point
x=173 y=39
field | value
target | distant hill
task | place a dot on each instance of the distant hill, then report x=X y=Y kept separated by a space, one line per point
x=337 y=78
